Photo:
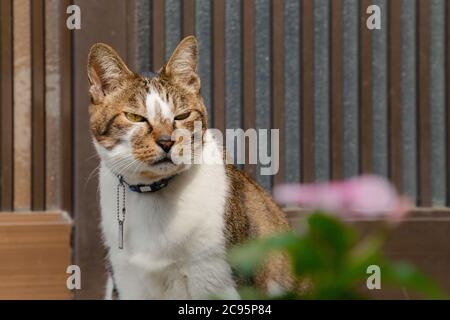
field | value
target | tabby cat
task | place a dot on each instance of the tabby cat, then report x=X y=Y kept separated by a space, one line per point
x=180 y=218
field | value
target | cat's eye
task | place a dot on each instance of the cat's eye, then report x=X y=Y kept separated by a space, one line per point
x=183 y=116
x=134 y=117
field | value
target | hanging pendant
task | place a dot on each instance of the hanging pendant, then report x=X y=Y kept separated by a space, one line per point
x=121 y=219
x=120 y=234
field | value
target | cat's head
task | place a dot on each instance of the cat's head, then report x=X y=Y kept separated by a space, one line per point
x=132 y=118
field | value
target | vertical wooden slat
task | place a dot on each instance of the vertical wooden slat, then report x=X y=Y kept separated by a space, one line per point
x=409 y=99
x=248 y=72
x=447 y=80
x=337 y=112
x=365 y=117
x=188 y=17
x=423 y=10
x=307 y=105
x=322 y=90
x=263 y=76
x=6 y=98
x=350 y=87
x=395 y=103
x=132 y=34
x=143 y=35
x=38 y=104
x=437 y=106
x=53 y=80
x=66 y=112
x=204 y=29
x=110 y=27
x=233 y=64
x=292 y=50
x=277 y=60
x=157 y=34
x=173 y=25
x=22 y=104
x=218 y=64
x=380 y=92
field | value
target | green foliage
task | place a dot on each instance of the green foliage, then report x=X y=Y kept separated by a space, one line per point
x=330 y=255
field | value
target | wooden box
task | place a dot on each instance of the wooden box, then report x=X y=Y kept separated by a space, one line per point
x=35 y=252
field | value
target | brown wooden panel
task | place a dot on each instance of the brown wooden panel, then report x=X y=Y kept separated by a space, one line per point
x=365 y=78
x=424 y=149
x=34 y=218
x=307 y=94
x=66 y=111
x=218 y=85
x=422 y=243
x=277 y=61
x=22 y=104
x=157 y=34
x=395 y=102
x=35 y=251
x=98 y=26
x=337 y=112
x=188 y=7
x=248 y=72
x=38 y=104
x=6 y=98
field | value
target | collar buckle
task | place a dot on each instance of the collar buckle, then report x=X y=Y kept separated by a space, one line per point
x=153 y=187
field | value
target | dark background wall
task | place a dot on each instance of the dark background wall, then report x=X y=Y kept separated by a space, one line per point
x=347 y=100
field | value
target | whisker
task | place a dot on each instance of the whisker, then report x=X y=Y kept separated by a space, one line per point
x=92 y=174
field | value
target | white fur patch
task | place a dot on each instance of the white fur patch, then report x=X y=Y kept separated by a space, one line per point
x=174 y=246
x=156 y=107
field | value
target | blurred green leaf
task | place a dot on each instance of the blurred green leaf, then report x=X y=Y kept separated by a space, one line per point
x=306 y=258
x=331 y=232
x=367 y=252
x=330 y=257
x=248 y=257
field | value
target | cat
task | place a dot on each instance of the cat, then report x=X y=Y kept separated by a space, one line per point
x=175 y=240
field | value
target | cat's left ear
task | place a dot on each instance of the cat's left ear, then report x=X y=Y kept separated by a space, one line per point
x=181 y=69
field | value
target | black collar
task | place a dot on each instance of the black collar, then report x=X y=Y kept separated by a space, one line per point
x=144 y=188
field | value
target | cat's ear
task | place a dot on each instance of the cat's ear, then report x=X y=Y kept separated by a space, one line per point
x=181 y=69
x=106 y=71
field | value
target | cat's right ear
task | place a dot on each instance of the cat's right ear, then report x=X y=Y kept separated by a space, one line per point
x=106 y=71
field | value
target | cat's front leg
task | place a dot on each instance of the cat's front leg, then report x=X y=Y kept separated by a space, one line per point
x=109 y=288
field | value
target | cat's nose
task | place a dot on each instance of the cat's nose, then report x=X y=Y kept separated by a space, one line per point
x=165 y=142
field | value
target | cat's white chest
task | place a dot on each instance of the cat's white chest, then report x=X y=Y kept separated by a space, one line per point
x=174 y=244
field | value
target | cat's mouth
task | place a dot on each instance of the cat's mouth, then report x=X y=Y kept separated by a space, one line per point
x=163 y=160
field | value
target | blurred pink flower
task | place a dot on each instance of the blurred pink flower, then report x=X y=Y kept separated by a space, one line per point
x=365 y=196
